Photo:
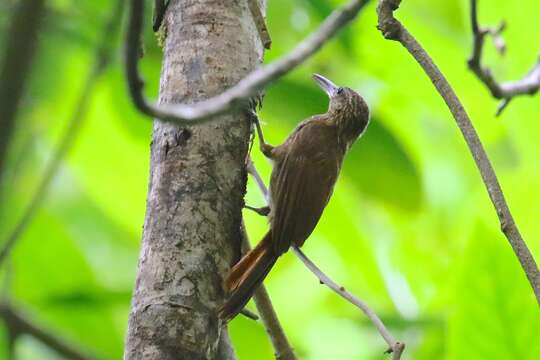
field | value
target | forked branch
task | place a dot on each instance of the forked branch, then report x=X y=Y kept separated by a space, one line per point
x=392 y=29
x=505 y=91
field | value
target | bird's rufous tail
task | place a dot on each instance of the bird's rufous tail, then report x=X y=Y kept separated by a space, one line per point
x=246 y=276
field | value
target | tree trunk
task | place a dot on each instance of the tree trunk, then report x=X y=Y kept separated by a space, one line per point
x=197 y=183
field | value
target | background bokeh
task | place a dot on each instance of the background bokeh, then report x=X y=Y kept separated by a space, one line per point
x=409 y=229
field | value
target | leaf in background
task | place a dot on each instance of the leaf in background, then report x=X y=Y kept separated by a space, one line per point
x=495 y=315
x=292 y=101
x=48 y=261
x=250 y=339
x=108 y=248
x=114 y=170
x=30 y=348
x=377 y=163
x=379 y=166
x=343 y=339
x=132 y=122
x=43 y=259
x=323 y=8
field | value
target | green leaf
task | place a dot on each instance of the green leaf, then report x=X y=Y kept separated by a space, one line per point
x=323 y=8
x=495 y=315
x=380 y=167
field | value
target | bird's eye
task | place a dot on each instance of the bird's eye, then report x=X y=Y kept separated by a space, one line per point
x=340 y=90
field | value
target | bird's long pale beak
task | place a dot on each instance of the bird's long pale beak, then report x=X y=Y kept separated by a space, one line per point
x=329 y=87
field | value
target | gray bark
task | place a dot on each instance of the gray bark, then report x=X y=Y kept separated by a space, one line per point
x=197 y=183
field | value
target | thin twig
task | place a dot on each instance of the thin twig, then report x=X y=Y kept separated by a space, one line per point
x=102 y=59
x=392 y=29
x=282 y=347
x=395 y=347
x=21 y=41
x=528 y=85
x=238 y=95
x=249 y=314
x=18 y=324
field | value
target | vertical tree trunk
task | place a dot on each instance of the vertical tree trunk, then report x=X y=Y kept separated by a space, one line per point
x=197 y=183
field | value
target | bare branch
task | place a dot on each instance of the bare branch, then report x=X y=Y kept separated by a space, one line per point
x=238 y=95
x=15 y=65
x=102 y=59
x=282 y=348
x=392 y=29
x=395 y=347
x=528 y=85
x=19 y=324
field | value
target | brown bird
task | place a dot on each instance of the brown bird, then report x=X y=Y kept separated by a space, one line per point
x=306 y=167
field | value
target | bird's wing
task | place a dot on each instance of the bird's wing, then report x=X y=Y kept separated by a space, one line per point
x=302 y=183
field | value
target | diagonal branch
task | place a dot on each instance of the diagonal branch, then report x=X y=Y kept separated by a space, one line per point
x=395 y=347
x=238 y=95
x=282 y=348
x=506 y=91
x=392 y=29
x=18 y=324
x=102 y=59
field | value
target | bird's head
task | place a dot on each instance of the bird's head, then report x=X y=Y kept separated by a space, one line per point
x=347 y=109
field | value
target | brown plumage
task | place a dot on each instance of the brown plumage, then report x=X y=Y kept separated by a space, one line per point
x=306 y=167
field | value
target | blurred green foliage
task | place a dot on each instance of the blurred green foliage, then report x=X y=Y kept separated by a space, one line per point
x=410 y=228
